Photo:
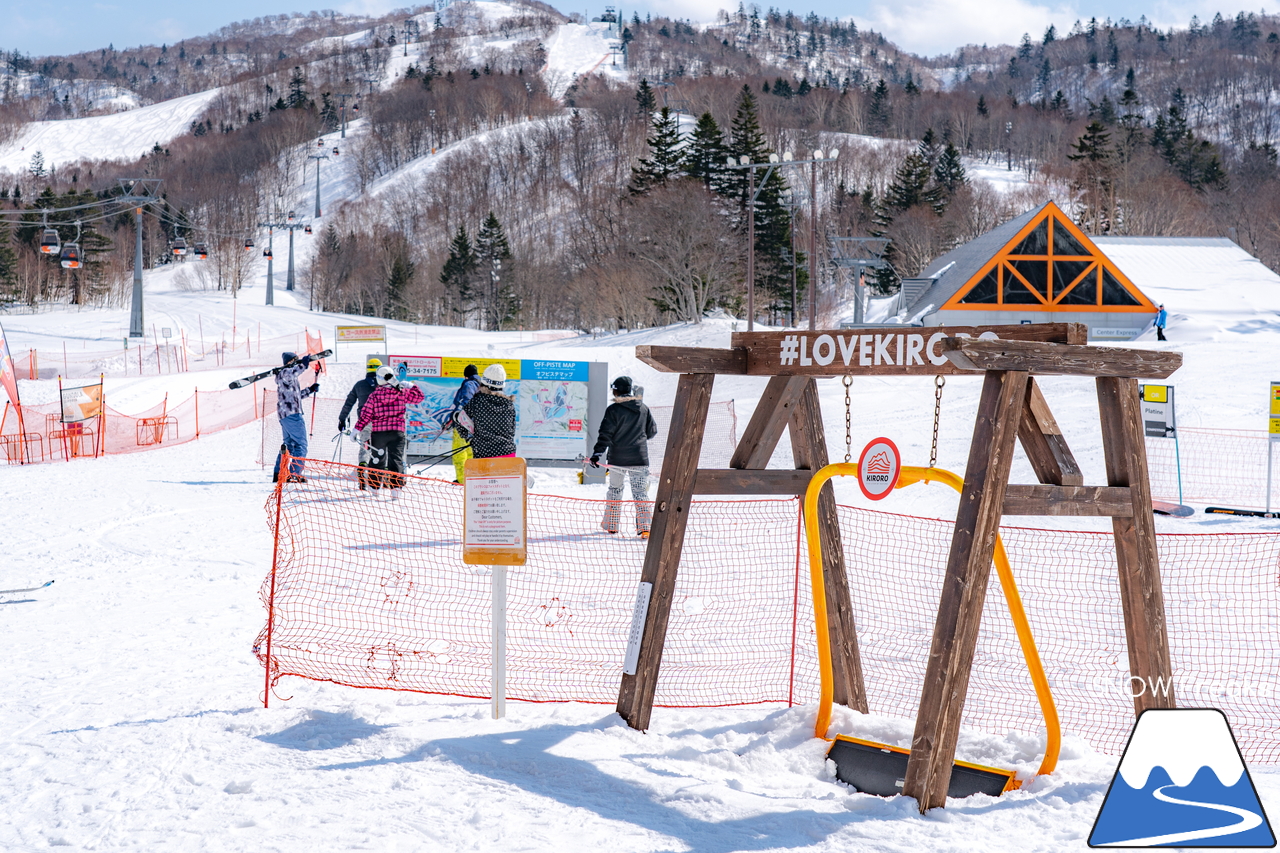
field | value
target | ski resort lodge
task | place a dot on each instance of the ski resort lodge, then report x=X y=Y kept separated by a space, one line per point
x=1040 y=267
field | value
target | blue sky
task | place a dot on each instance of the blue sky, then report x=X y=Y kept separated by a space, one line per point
x=924 y=26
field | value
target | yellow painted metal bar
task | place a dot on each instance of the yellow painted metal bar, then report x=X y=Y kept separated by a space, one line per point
x=909 y=476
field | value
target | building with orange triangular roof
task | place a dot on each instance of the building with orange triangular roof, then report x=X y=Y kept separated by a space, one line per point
x=1036 y=268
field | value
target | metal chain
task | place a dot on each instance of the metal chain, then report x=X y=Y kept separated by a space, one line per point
x=938 y=383
x=848 y=420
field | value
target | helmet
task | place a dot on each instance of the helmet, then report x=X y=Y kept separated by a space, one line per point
x=287 y=357
x=469 y=371
x=622 y=386
x=385 y=375
x=494 y=378
x=373 y=364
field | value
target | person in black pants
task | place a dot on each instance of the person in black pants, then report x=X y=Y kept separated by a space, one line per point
x=355 y=400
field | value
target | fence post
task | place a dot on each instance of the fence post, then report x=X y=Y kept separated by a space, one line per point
x=275 y=562
x=197 y=395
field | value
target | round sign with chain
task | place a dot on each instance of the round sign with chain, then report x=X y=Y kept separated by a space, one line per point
x=878 y=468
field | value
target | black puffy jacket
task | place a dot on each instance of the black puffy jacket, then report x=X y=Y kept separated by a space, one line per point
x=356 y=397
x=625 y=430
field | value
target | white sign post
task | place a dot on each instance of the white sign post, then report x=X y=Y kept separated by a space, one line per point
x=1273 y=433
x=494 y=525
x=1158 y=420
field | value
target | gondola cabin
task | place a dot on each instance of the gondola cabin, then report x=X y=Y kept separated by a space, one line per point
x=202 y=251
x=50 y=243
x=307 y=230
x=70 y=257
x=248 y=244
x=180 y=247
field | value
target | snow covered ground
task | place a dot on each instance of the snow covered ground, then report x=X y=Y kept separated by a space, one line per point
x=131 y=715
x=120 y=136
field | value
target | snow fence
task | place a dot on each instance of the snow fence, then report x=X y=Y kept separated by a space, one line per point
x=373 y=593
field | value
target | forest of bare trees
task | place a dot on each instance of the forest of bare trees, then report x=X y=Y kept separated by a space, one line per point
x=604 y=219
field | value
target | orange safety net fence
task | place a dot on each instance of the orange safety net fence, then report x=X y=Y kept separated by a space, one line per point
x=1223 y=467
x=373 y=593
x=322 y=425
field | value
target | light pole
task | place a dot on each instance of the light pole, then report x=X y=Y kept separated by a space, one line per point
x=753 y=194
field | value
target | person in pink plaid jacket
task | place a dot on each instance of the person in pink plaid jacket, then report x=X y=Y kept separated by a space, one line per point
x=384 y=414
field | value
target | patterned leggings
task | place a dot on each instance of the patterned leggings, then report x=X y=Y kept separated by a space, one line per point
x=639 y=493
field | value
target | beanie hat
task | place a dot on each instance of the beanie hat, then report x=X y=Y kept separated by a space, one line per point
x=469 y=371
x=622 y=386
x=288 y=356
x=495 y=377
x=373 y=364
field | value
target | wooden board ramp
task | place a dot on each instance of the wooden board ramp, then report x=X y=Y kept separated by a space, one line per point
x=1012 y=408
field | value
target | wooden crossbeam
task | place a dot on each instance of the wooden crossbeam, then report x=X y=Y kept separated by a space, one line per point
x=1049 y=359
x=1044 y=444
x=694 y=359
x=771 y=416
x=1067 y=501
x=716 y=481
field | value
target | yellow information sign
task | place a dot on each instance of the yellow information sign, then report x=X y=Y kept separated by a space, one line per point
x=1274 y=420
x=1155 y=393
x=494 y=513
x=359 y=334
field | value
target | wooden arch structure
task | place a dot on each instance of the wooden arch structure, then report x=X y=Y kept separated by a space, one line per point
x=1011 y=407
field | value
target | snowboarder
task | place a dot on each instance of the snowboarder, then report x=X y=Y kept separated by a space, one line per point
x=490 y=417
x=467 y=390
x=356 y=398
x=625 y=432
x=384 y=415
x=1162 y=319
x=289 y=399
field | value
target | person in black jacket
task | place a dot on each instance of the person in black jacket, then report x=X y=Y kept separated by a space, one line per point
x=488 y=420
x=625 y=431
x=355 y=400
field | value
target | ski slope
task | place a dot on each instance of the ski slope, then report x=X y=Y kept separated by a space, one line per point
x=120 y=136
x=131 y=715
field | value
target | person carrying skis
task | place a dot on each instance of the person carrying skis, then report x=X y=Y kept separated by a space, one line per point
x=462 y=452
x=384 y=415
x=488 y=420
x=625 y=431
x=356 y=398
x=289 y=399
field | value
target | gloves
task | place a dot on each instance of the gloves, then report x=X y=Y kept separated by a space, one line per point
x=353 y=435
x=595 y=461
x=315 y=389
x=342 y=427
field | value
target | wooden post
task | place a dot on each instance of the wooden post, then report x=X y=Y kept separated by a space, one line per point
x=771 y=416
x=964 y=588
x=666 y=540
x=1044 y=444
x=809 y=449
x=1141 y=592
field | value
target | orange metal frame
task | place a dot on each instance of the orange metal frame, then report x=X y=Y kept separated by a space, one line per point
x=1051 y=300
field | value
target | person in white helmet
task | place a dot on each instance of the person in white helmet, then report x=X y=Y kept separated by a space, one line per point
x=384 y=415
x=490 y=422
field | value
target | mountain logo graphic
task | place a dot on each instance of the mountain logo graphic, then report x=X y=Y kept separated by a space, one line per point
x=1182 y=783
x=879 y=464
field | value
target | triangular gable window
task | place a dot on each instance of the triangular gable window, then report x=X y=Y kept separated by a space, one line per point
x=1052 y=264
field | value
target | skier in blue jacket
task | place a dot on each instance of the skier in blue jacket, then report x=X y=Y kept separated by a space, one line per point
x=289 y=399
x=465 y=392
x=1162 y=319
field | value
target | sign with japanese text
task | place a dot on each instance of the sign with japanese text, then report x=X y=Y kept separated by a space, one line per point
x=494 y=514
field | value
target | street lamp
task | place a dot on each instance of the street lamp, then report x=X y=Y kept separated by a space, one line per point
x=753 y=194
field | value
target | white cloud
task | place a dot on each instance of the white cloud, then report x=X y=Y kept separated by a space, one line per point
x=930 y=27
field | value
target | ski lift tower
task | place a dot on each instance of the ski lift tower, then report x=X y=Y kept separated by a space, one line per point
x=861 y=254
x=139 y=193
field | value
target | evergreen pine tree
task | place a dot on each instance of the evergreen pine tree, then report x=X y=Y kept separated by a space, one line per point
x=879 y=111
x=646 y=101
x=298 y=89
x=665 y=159
x=704 y=156
x=399 y=277
x=459 y=275
x=948 y=172
x=493 y=264
x=8 y=268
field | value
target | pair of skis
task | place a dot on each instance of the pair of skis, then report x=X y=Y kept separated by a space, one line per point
x=29 y=589
x=249 y=380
